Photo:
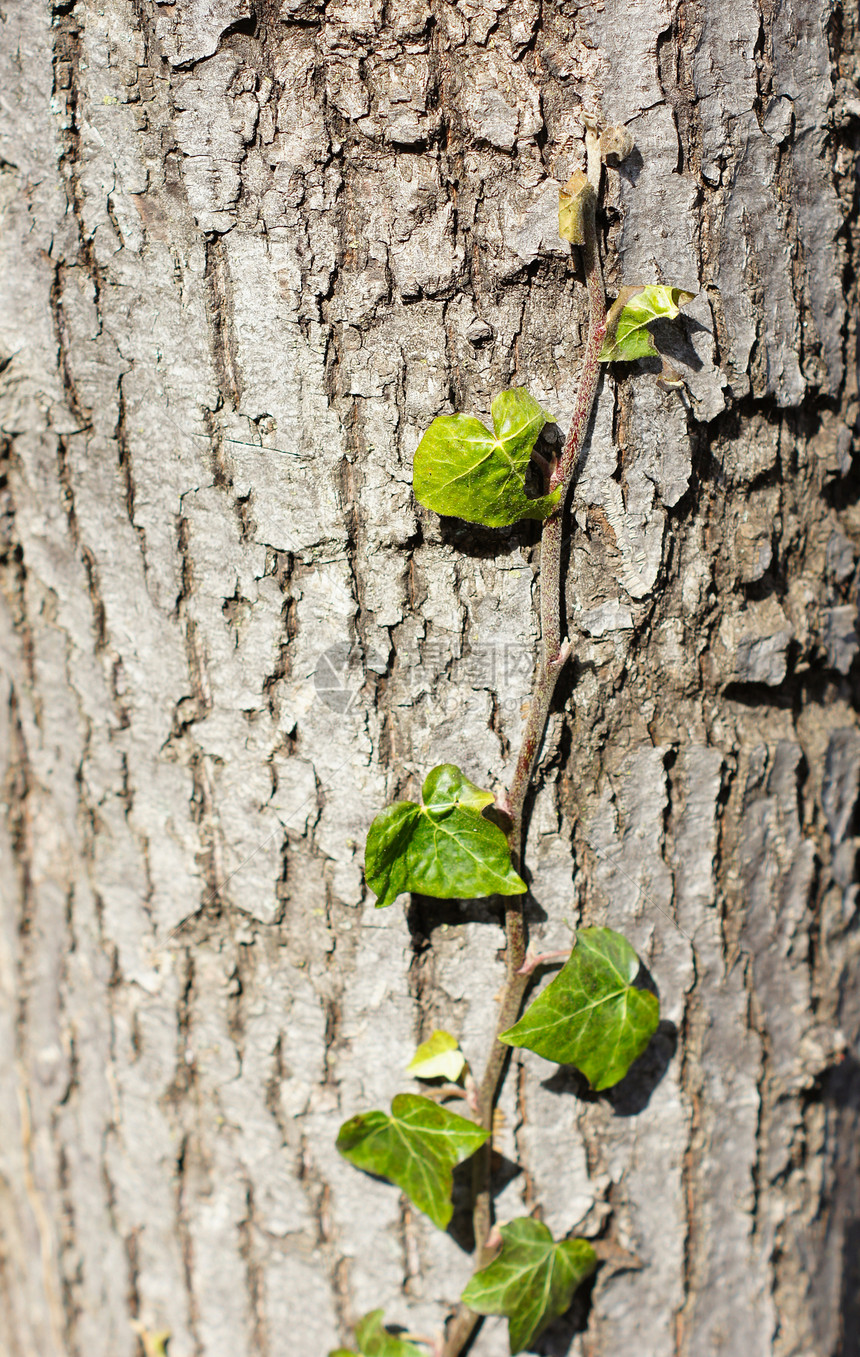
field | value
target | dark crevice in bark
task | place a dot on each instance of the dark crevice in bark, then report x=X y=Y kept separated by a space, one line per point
x=186 y=1243
x=99 y=616
x=65 y=478
x=13 y=575
x=19 y=786
x=209 y=857
x=70 y=1264
x=124 y=455
x=219 y=286
x=63 y=340
x=67 y=90
x=255 y=1280
x=132 y=1253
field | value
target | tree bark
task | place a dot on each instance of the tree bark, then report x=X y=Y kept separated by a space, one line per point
x=250 y=249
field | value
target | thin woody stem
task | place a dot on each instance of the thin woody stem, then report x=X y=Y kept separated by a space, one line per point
x=555 y=651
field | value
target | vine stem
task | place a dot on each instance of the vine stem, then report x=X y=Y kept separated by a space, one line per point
x=555 y=652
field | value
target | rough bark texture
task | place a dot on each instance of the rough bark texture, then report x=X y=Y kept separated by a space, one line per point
x=249 y=250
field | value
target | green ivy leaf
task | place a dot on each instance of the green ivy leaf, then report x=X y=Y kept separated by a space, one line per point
x=374 y=1340
x=439 y=1057
x=443 y=847
x=462 y=469
x=591 y=1015
x=532 y=1280
x=416 y=1148
x=627 y=335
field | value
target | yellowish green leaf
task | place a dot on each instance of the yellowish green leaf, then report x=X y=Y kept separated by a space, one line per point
x=575 y=200
x=154 y=1341
x=439 y=1057
x=464 y=470
x=635 y=308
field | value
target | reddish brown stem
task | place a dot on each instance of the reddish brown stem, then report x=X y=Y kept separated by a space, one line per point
x=555 y=652
x=531 y=963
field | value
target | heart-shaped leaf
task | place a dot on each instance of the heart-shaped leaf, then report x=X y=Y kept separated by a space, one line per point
x=439 y=1057
x=415 y=1147
x=532 y=1280
x=374 y=1340
x=591 y=1015
x=443 y=847
x=627 y=333
x=462 y=469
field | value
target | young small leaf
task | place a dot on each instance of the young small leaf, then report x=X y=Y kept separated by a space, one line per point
x=439 y=1057
x=462 y=469
x=154 y=1342
x=627 y=335
x=591 y=1015
x=532 y=1280
x=374 y=1340
x=415 y=1147
x=574 y=200
x=443 y=847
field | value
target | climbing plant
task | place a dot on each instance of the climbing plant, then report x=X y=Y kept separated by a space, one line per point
x=460 y=841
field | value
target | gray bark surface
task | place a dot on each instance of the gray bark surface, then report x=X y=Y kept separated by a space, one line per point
x=249 y=250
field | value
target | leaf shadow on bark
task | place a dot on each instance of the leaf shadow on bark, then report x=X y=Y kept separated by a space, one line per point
x=673 y=345
x=633 y=1093
x=631 y=167
x=489 y=544
x=839 y=1085
x=460 y=1227
x=556 y=1339
x=850 y=1301
x=426 y=913
x=673 y=342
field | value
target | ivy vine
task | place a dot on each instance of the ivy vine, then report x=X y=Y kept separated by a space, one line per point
x=462 y=841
